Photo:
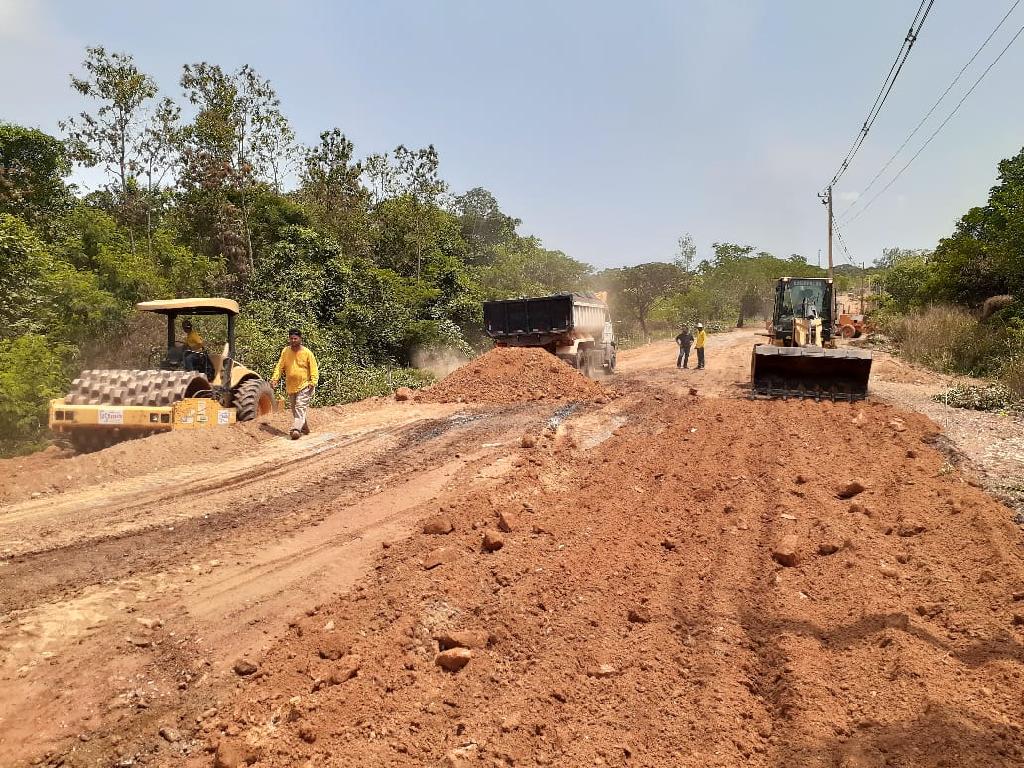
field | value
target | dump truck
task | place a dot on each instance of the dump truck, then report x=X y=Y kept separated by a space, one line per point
x=801 y=358
x=574 y=326
x=188 y=389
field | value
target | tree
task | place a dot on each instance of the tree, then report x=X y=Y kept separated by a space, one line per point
x=686 y=252
x=484 y=226
x=331 y=190
x=109 y=137
x=235 y=142
x=636 y=290
x=32 y=170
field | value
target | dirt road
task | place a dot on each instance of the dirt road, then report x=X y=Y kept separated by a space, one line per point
x=679 y=583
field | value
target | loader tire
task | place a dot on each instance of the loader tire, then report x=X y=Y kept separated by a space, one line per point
x=252 y=398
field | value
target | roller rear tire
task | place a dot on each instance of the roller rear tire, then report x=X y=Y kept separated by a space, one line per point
x=253 y=398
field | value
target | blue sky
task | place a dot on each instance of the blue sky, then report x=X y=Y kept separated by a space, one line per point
x=608 y=128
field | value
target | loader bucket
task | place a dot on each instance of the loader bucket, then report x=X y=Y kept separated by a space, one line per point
x=831 y=374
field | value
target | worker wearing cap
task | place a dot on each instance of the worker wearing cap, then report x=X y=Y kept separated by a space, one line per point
x=301 y=375
x=698 y=342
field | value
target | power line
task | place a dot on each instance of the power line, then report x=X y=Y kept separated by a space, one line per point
x=886 y=89
x=929 y=113
x=942 y=125
x=842 y=242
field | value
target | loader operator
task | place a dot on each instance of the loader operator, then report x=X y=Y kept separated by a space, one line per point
x=193 y=360
x=699 y=343
x=685 y=341
x=301 y=375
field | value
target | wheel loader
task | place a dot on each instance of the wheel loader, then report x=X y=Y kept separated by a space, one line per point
x=189 y=389
x=801 y=358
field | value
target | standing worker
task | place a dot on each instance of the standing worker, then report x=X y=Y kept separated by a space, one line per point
x=685 y=341
x=699 y=343
x=301 y=374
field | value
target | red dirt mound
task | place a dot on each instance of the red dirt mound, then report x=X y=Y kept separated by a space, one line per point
x=509 y=375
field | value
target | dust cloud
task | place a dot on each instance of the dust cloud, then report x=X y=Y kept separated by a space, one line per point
x=440 y=361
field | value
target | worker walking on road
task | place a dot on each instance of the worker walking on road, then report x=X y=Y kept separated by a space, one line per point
x=301 y=375
x=685 y=341
x=699 y=343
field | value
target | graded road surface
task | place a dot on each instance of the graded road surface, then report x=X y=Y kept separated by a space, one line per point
x=679 y=583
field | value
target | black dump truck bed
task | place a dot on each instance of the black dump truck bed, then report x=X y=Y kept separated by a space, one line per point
x=546 y=315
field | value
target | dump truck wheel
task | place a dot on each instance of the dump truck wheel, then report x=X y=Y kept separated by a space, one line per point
x=252 y=398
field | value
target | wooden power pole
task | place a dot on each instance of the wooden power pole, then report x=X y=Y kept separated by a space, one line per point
x=828 y=202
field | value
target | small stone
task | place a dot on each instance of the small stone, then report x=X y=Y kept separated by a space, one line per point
x=511 y=722
x=439 y=525
x=493 y=541
x=888 y=571
x=785 y=551
x=826 y=548
x=508 y=521
x=440 y=556
x=348 y=667
x=898 y=425
x=233 y=755
x=140 y=642
x=858 y=509
x=402 y=394
x=929 y=609
x=800 y=479
x=464 y=638
x=1018 y=619
x=693 y=391
x=602 y=671
x=850 y=490
x=244 y=667
x=985 y=576
x=170 y=734
x=910 y=528
x=1018 y=596
x=669 y=544
x=307 y=734
x=559 y=696
x=332 y=648
x=528 y=440
x=639 y=615
x=911 y=453
x=453 y=659
x=150 y=623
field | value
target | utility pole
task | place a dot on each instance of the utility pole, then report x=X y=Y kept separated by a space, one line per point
x=826 y=199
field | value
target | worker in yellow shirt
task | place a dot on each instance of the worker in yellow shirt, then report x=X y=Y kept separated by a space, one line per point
x=301 y=375
x=194 y=346
x=699 y=342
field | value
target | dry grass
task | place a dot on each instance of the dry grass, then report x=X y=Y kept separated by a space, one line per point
x=949 y=339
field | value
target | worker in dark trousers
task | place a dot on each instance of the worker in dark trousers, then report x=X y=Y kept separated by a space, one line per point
x=685 y=341
x=699 y=343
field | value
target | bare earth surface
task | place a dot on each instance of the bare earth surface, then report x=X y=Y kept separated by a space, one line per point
x=665 y=575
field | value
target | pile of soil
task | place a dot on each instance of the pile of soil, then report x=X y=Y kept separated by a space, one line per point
x=513 y=374
x=691 y=592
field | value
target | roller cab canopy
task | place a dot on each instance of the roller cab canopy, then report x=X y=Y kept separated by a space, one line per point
x=190 y=306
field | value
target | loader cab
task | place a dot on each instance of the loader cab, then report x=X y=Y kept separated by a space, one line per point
x=800 y=299
x=215 y=363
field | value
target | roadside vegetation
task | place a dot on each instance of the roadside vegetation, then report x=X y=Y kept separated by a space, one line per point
x=960 y=308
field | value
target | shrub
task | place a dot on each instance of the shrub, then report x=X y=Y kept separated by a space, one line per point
x=949 y=339
x=985 y=397
x=32 y=371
